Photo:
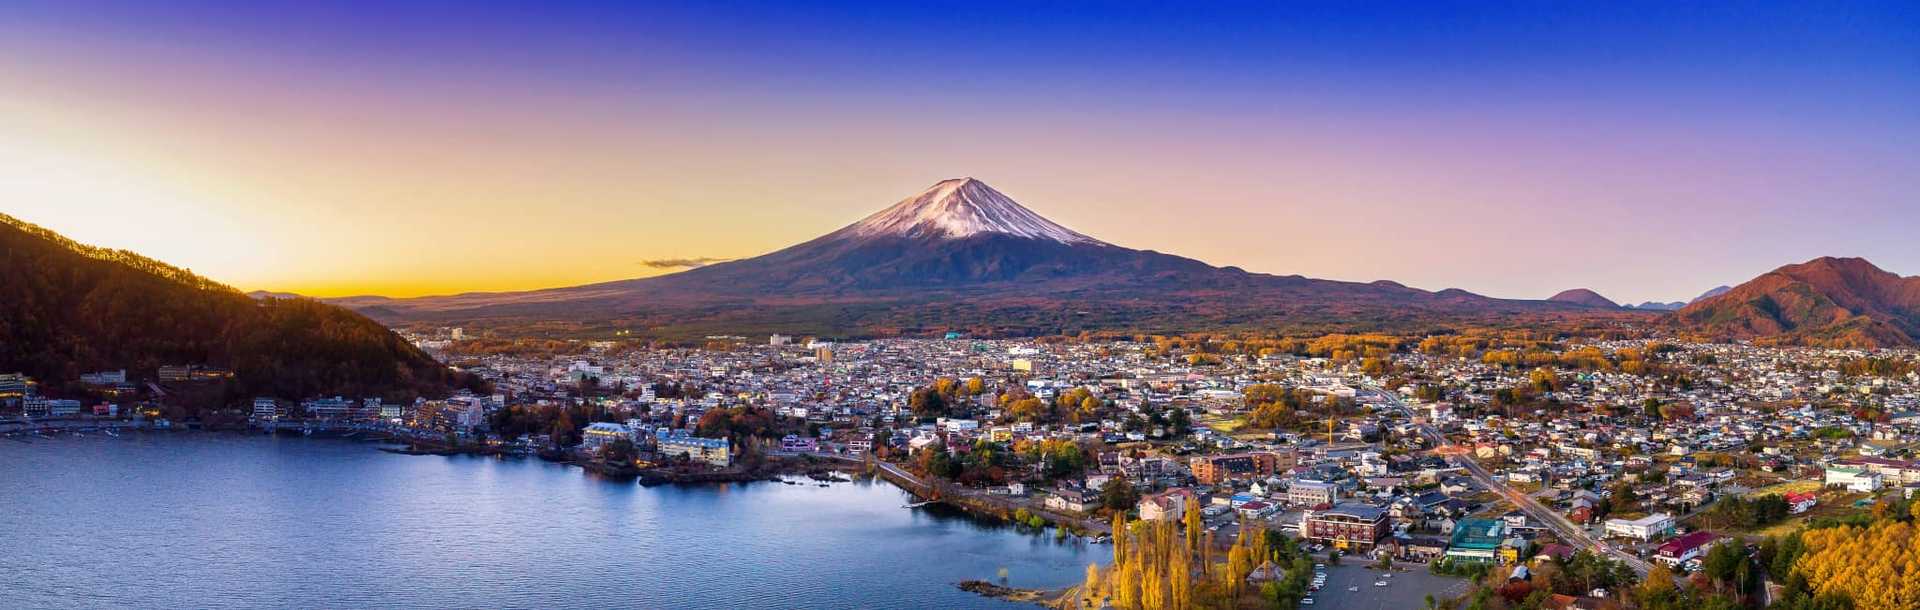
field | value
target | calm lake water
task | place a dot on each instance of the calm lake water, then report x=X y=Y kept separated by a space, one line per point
x=202 y=520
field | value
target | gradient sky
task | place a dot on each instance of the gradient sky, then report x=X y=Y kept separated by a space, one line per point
x=1646 y=150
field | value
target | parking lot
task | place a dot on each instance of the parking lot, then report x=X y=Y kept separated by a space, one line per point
x=1406 y=589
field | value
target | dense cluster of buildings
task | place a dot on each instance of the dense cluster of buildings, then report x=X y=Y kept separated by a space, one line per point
x=1628 y=455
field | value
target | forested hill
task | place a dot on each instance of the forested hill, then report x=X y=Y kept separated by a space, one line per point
x=68 y=308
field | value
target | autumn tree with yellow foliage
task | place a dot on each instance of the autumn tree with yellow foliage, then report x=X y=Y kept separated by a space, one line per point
x=1878 y=566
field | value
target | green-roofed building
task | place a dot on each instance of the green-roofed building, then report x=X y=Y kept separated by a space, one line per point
x=1477 y=540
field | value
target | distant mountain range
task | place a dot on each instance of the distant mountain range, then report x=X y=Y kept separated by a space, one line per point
x=962 y=256
x=1834 y=302
x=1677 y=305
x=1585 y=297
x=1717 y=291
x=1589 y=298
x=68 y=308
x=1657 y=306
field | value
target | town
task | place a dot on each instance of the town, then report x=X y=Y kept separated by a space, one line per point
x=1484 y=456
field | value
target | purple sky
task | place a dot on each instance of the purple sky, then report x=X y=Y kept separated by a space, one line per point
x=1646 y=150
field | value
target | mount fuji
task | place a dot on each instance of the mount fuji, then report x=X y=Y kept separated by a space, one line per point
x=960 y=208
x=959 y=256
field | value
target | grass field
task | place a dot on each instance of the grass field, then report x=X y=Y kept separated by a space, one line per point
x=1832 y=504
x=1235 y=427
x=1786 y=488
x=1226 y=426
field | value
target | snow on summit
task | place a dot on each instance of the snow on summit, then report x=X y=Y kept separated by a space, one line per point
x=961 y=207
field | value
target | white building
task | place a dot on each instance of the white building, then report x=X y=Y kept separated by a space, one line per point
x=1853 y=479
x=104 y=378
x=600 y=434
x=265 y=408
x=1645 y=528
x=1312 y=493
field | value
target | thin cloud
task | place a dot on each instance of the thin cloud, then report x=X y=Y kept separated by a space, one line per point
x=681 y=263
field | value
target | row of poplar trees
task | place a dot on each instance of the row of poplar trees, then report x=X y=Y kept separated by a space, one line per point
x=1158 y=565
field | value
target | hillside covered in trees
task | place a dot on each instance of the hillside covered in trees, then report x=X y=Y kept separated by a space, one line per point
x=67 y=308
x=1826 y=302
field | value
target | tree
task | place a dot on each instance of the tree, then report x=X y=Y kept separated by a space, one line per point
x=1089 y=404
x=1877 y=566
x=564 y=432
x=1180 y=578
x=1091 y=588
x=1239 y=565
x=1658 y=587
x=1027 y=409
x=927 y=403
x=1180 y=422
x=620 y=451
x=1194 y=525
x=1723 y=562
x=1118 y=494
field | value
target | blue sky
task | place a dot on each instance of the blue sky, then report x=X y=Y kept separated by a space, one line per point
x=1512 y=149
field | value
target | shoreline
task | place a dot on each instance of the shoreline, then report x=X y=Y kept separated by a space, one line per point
x=858 y=494
x=775 y=468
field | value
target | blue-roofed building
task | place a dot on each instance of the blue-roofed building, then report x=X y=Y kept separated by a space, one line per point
x=715 y=451
x=1477 y=540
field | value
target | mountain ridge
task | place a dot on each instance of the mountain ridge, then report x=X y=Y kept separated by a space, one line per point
x=1584 y=296
x=963 y=256
x=68 y=308
x=1827 y=301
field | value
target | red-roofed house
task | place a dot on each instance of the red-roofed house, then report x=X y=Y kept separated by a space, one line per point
x=1801 y=502
x=1679 y=550
x=1554 y=551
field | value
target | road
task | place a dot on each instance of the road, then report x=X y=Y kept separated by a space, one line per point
x=1568 y=531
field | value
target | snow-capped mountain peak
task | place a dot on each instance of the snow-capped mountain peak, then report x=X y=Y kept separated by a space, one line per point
x=962 y=207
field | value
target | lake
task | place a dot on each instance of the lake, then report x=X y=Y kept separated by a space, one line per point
x=210 y=520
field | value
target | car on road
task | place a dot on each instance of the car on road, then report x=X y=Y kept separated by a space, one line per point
x=1379 y=583
x=1354 y=588
x=1306 y=601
